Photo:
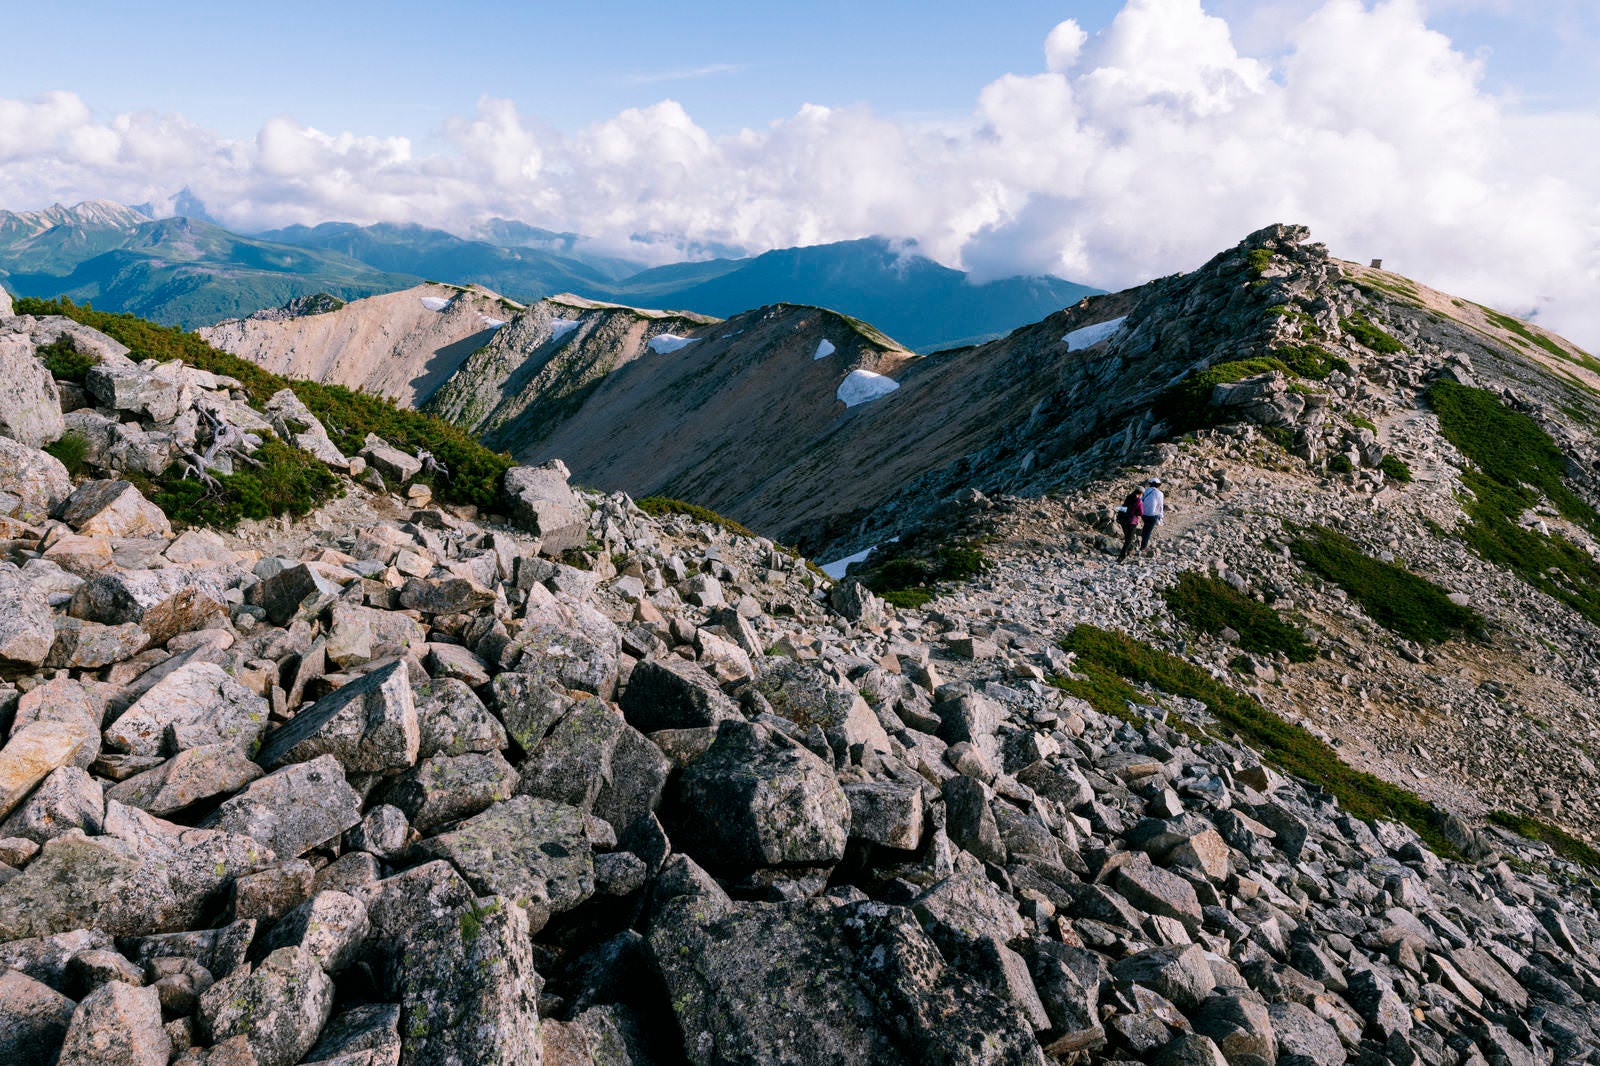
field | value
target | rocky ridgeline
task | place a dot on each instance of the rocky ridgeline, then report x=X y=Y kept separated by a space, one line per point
x=413 y=788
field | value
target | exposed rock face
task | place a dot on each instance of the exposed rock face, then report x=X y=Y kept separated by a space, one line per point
x=30 y=404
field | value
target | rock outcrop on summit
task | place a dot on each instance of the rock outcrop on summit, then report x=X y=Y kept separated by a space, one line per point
x=558 y=781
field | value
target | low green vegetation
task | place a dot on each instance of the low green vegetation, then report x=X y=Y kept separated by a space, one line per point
x=1402 y=602
x=1310 y=360
x=1361 y=328
x=64 y=361
x=72 y=450
x=1520 y=330
x=656 y=506
x=475 y=472
x=1395 y=469
x=287 y=481
x=1259 y=259
x=1518 y=467
x=1340 y=464
x=908 y=573
x=1111 y=663
x=1210 y=605
x=1364 y=423
x=1562 y=842
x=1187 y=405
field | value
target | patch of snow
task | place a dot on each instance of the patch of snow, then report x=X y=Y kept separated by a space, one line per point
x=863 y=386
x=1089 y=336
x=669 y=342
x=825 y=348
x=560 y=327
x=492 y=323
x=435 y=303
x=837 y=568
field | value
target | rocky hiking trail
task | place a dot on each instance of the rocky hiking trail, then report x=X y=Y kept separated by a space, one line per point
x=561 y=782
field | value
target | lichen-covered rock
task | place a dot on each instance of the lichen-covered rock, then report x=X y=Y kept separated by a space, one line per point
x=756 y=798
x=27 y=630
x=469 y=995
x=117 y=1024
x=189 y=777
x=34 y=752
x=293 y=809
x=815 y=982
x=369 y=724
x=807 y=696
x=332 y=926
x=544 y=504
x=446 y=788
x=163 y=602
x=133 y=390
x=30 y=403
x=37 y=479
x=365 y=1035
x=279 y=1007
x=527 y=849
x=68 y=799
x=674 y=694
x=452 y=720
x=197 y=704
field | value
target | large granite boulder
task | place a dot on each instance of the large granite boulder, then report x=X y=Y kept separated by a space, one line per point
x=541 y=501
x=369 y=724
x=30 y=403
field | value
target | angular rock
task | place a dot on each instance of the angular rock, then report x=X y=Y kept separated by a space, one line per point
x=446 y=788
x=573 y=760
x=636 y=782
x=279 y=1007
x=1159 y=891
x=389 y=461
x=68 y=799
x=30 y=403
x=571 y=658
x=113 y=509
x=964 y=906
x=131 y=389
x=452 y=720
x=367 y=1035
x=369 y=724
x=674 y=694
x=469 y=994
x=34 y=752
x=526 y=849
x=541 y=501
x=33 y=1020
x=89 y=645
x=163 y=602
x=1304 y=1039
x=331 y=926
x=27 y=628
x=807 y=696
x=455 y=595
x=292 y=590
x=196 y=705
x=1180 y=972
x=1241 y=1027
x=757 y=799
x=37 y=479
x=117 y=1025
x=294 y=809
x=189 y=777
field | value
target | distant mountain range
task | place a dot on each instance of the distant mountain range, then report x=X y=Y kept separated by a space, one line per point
x=191 y=272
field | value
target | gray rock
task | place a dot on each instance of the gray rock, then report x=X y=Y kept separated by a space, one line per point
x=37 y=479
x=389 y=461
x=1159 y=891
x=970 y=821
x=279 y=1007
x=117 y=1025
x=526 y=849
x=1241 y=1027
x=1189 y=1049
x=541 y=501
x=136 y=391
x=573 y=760
x=45 y=958
x=367 y=1035
x=369 y=724
x=267 y=894
x=755 y=798
x=1067 y=980
x=163 y=602
x=89 y=645
x=189 y=777
x=674 y=694
x=1304 y=1039
x=88 y=970
x=384 y=831
x=528 y=706
x=218 y=951
x=636 y=782
x=807 y=696
x=30 y=403
x=872 y=988
x=454 y=595
x=68 y=799
x=293 y=590
x=113 y=509
x=1179 y=972
x=407 y=901
x=331 y=926
x=571 y=658
x=1373 y=996
x=886 y=813
x=446 y=788
x=964 y=906
x=27 y=629
x=196 y=705
x=852 y=600
x=293 y=809
x=33 y=1020
x=66 y=886
x=452 y=720
x=469 y=995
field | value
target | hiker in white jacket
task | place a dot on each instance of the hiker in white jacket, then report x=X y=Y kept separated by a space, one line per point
x=1155 y=505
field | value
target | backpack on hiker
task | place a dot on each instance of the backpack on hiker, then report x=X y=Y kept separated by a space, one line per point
x=1131 y=511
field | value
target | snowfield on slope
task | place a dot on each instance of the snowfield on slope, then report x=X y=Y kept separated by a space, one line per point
x=825 y=348
x=435 y=303
x=1089 y=336
x=863 y=386
x=669 y=342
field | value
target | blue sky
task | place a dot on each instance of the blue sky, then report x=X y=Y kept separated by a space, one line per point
x=402 y=68
x=1106 y=141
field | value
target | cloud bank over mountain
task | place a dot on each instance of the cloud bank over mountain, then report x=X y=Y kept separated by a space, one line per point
x=1128 y=154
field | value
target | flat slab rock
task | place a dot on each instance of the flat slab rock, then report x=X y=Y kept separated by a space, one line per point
x=527 y=849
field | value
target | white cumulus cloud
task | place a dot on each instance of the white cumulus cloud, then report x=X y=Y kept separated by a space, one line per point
x=1135 y=152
